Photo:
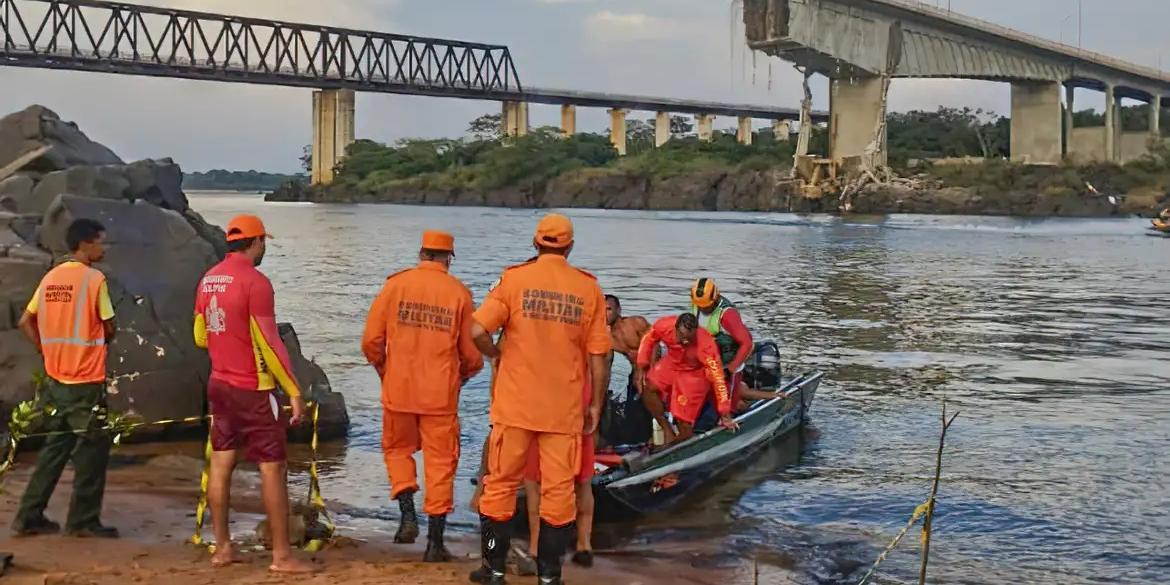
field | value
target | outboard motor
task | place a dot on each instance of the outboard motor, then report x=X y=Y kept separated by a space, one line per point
x=763 y=369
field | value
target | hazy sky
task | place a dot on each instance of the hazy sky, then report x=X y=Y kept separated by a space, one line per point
x=673 y=48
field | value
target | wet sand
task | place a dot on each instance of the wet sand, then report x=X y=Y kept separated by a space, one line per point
x=151 y=495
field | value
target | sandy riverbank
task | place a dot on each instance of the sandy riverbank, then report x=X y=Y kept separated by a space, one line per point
x=151 y=495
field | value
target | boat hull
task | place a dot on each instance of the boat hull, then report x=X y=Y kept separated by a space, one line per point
x=656 y=483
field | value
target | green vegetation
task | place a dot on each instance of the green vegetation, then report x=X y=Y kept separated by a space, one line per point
x=223 y=180
x=486 y=161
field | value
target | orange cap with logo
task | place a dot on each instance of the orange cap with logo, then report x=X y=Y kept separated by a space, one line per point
x=554 y=231
x=438 y=241
x=242 y=227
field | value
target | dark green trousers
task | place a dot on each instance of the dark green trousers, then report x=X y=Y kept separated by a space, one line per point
x=78 y=406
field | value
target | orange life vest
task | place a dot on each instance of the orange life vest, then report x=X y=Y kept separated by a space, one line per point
x=72 y=337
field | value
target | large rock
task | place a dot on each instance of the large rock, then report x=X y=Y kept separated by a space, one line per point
x=104 y=182
x=37 y=126
x=157 y=250
x=158 y=181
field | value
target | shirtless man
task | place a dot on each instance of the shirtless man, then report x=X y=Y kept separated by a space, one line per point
x=626 y=332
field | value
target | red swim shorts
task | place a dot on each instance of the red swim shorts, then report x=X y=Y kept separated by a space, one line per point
x=247 y=419
x=584 y=474
x=686 y=390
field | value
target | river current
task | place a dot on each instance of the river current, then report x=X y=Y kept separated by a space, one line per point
x=1049 y=337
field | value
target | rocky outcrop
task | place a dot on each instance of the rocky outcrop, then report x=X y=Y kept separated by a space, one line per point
x=157 y=250
x=750 y=190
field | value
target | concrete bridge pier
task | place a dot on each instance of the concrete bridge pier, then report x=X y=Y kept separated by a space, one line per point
x=781 y=130
x=514 y=119
x=333 y=132
x=1036 y=133
x=1156 y=118
x=743 y=133
x=617 y=129
x=1069 y=122
x=569 y=119
x=705 y=124
x=661 y=128
x=1112 y=124
x=855 y=110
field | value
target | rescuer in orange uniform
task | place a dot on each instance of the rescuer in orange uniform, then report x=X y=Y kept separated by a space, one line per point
x=689 y=372
x=553 y=319
x=70 y=321
x=418 y=337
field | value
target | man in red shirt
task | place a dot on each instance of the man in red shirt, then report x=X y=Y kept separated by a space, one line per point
x=684 y=377
x=718 y=316
x=235 y=320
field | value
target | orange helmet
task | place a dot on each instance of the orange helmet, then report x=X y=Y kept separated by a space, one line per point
x=704 y=293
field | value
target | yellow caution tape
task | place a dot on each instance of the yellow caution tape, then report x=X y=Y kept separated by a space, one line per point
x=918 y=513
x=201 y=507
x=314 y=498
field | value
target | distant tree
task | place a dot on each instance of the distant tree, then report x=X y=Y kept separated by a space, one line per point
x=681 y=126
x=639 y=136
x=486 y=127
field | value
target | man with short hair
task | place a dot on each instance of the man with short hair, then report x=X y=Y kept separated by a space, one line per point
x=70 y=320
x=418 y=338
x=553 y=320
x=235 y=320
x=689 y=372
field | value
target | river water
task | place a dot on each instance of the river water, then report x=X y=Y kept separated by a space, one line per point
x=1048 y=336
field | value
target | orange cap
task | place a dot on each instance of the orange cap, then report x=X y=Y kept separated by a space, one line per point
x=554 y=231
x=242 y=227
x=438 y=241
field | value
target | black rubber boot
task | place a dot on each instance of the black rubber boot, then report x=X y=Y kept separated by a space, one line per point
x=436 y=551
x=495 y=541
x=550 y=551
x=408 y=524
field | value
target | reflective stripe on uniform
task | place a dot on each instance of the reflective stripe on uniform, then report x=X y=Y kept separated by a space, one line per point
x=78 y=317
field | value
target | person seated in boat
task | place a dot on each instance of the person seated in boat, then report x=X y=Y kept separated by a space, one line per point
x=719 y=316
x=690 y=371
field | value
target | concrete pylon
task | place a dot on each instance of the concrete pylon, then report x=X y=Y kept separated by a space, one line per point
x=514 y=118
x=569 y=119
x=855 y=110
x=743 y=132
x=706 y=124
x=1069 y=122
x=333 y=131
x=617 y=129
x=1036 y=135
x=661 y=128
x=781 y=130
x=1156 y=117
x=1111 y=124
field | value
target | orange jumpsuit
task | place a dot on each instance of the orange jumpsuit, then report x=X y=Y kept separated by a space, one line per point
x=553 y=318
x=687 y=373
x=419 y=330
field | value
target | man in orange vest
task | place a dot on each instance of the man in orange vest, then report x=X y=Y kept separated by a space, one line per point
x=418 y=338
x=235 y=320
x=554 y=332
x=70 y=320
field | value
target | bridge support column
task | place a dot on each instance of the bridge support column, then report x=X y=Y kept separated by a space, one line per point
x=1036 y=123
x=1156 y=117
x=617 y=130
x=333 y=131
x=743 y=133
x=569 y=119
x=856 y=107
x=705 y=124
x=661 y=128
x=781 y=130
x=1069 y=123
x=1111 y=124
x=515 y=118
